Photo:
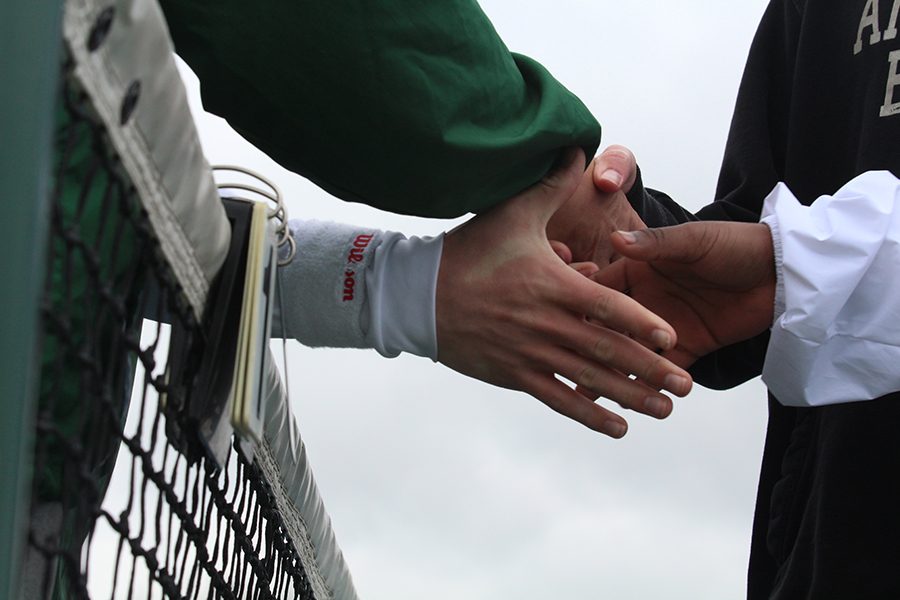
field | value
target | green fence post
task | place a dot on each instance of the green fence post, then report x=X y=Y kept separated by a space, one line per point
x=29 y=68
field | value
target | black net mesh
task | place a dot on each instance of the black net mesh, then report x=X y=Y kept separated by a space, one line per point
x=124 y=505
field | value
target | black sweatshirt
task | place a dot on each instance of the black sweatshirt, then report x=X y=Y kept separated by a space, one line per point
x=818 y=105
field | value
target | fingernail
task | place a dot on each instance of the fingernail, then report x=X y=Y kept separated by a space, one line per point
x=677 y=384
x=657 y=407
x=612 y=176
x=661 y=339
x=614 y=429
x=628 y=237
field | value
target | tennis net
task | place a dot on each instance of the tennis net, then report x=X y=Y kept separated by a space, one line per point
x=126 y=500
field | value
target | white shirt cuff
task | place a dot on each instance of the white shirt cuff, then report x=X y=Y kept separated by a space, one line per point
x=837 y=338
x=401 y=284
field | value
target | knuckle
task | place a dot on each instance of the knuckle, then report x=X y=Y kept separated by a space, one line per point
x=658 y=235
x=654 y=370
x=707 y=237
x=618 y=152
x=603 y=305
x=603 y=350
x=587 y=376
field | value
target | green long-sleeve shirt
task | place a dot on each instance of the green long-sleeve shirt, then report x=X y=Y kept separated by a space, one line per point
x=412 y=107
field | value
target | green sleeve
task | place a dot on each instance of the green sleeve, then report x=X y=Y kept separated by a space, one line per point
x=411 y=107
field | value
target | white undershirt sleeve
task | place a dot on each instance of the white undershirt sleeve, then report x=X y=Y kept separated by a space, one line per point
x=401 y=283
x=836 y=335
x=351 y=287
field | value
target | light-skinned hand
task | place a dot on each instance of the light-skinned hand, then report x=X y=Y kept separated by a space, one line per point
x=597 y=208
x=509 y=311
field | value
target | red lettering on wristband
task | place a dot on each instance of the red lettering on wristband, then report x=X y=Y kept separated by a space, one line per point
x=357 y=252
x=349 y=284
x=356 y=255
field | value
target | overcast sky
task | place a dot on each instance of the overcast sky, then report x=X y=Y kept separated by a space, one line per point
x=442 y=487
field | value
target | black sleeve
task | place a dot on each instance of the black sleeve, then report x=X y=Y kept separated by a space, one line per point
x=656 y=208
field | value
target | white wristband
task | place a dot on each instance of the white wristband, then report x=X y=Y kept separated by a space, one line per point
x=323 y=287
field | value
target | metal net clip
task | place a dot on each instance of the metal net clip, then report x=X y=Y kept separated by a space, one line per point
x=278 y=212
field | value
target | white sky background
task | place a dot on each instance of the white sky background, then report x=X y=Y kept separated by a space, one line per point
x=443 y=487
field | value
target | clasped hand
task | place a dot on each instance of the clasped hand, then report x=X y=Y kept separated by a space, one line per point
x=509 y=311
x=713 y=281
x=512 y=313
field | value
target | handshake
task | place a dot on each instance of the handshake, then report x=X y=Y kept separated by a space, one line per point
x=566 y=280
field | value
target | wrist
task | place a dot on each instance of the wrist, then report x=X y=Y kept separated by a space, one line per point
x=771 y=223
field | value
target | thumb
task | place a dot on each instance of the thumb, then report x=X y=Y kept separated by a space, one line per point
x=544 y=198
x=682 y=243
x=614 y=170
